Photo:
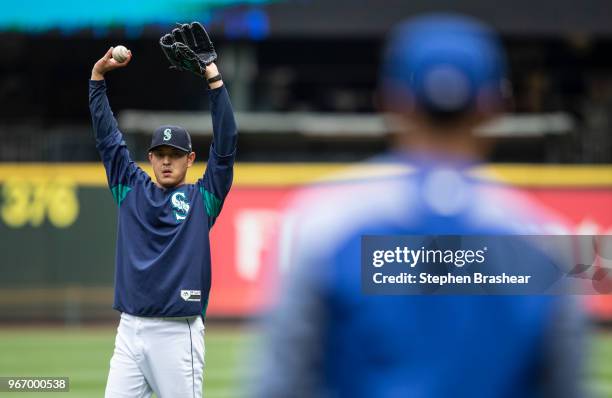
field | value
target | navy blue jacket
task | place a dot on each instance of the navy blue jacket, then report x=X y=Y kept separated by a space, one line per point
x=163 y=251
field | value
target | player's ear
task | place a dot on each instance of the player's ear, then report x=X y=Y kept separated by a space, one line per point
x=190 y=159
x=150 y=157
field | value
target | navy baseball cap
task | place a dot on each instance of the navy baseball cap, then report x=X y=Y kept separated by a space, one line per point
x=174 y=136
x=441 y=62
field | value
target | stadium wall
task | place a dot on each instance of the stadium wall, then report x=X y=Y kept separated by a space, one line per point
x=57 y=232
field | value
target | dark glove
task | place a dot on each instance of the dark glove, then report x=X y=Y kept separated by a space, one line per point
x=188 y=47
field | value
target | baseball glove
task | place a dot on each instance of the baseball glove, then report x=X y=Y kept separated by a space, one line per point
x=188 y=47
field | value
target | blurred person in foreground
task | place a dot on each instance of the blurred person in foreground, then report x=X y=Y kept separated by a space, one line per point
x=442 y=77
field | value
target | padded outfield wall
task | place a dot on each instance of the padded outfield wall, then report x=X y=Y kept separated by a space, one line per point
x=57 y=232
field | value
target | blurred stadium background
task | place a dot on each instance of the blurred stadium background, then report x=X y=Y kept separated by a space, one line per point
x=302 y=77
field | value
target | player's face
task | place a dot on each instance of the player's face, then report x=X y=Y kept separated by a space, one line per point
x=170 y=165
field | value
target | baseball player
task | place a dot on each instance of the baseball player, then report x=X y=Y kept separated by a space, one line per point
x=442 y=76
x=163 y=271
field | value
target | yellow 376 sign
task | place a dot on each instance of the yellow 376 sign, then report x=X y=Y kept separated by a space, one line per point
x=31 y=201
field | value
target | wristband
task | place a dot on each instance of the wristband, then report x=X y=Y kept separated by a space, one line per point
x=214 y=79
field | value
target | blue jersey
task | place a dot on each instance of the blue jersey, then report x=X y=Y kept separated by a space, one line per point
x=328 y=339
x=163 y=266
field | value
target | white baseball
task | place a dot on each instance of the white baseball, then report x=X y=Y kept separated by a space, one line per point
x=120 y=54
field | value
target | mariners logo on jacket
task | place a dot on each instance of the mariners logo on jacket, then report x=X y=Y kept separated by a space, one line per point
x=180 y=206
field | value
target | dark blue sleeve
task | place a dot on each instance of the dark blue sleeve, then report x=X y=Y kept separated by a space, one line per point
x=225 y=132
x=217 y=180
x=121 y=171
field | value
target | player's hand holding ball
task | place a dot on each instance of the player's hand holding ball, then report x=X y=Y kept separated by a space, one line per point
x=115 y=57
x=120 y=54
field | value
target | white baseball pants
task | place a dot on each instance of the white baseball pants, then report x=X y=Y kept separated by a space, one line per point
x=164 y=356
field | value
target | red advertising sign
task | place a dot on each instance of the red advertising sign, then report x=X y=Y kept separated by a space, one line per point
x=244 y=282
x=242 y=279
x=590 y=212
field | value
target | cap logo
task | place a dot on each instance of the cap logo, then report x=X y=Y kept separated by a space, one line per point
x=167 y=134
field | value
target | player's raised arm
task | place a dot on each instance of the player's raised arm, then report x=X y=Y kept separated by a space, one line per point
x=104 y=122
x=225 y=131
x=189 y=48
x=220 y=167
x=109 y=141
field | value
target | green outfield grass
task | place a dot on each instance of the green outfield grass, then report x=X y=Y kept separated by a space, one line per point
x=84 y=354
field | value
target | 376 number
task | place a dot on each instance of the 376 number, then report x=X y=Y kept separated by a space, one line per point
x=30 y=201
